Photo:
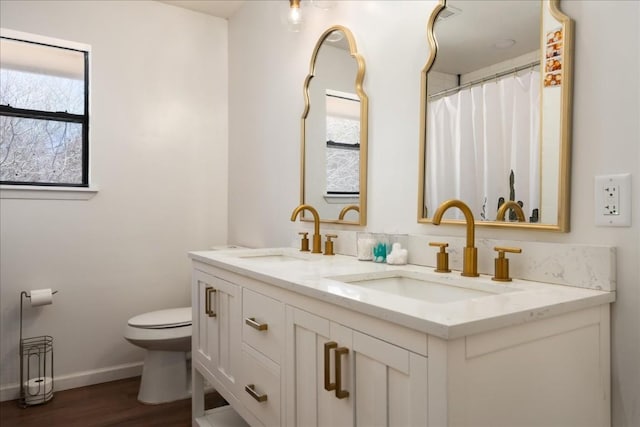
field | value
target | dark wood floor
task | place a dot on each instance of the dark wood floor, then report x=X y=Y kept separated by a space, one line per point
x=108 y=404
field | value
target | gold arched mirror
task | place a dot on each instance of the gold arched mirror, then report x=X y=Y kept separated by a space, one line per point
x=334 y=131
x=496 y=112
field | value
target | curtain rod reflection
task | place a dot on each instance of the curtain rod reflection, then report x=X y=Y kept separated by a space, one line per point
x=482 y=80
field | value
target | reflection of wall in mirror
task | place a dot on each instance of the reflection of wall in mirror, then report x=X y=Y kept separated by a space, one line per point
x=500 y=67
x=335 y=70
x=550 y=153
x=439 y=81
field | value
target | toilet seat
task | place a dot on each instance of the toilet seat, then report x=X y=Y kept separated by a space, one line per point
x=167 y=330
x=162 y=319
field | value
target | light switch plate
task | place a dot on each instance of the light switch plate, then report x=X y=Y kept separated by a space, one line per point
x=612 y=196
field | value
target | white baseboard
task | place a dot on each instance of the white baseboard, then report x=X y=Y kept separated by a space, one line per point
x=80 y=379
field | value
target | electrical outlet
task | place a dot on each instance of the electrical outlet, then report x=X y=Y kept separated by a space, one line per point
x=613 y=200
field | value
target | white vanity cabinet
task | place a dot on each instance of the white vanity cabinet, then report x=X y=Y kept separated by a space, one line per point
x=302 y=359
x=341 y=377
x=272 y=368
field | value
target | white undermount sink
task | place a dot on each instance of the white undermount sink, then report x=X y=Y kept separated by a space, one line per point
x=272 y=258
x=273 y=255
x=424 y=287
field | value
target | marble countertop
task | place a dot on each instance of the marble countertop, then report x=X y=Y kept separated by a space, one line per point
x=507 y=304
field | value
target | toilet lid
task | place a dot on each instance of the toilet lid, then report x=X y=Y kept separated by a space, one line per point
x=171 y=318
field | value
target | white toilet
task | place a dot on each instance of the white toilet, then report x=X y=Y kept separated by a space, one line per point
x=166 y=335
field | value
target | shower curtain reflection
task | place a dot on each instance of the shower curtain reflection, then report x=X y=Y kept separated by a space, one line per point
x=486 y=146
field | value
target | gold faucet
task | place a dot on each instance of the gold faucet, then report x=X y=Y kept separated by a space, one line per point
x=317 y=240
x=510 y=204
x=347 y=209
x=470 y=256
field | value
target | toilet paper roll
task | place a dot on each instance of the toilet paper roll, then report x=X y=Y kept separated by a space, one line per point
x=38 y=390
x=41 y=297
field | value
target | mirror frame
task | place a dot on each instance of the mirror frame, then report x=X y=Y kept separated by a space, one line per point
x=364 y=124
x=564 y=174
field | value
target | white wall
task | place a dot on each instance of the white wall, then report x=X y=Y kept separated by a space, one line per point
x=267 y=68
x=159 y=157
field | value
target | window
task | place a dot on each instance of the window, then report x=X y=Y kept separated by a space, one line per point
x=343 y=143
x=44 y=118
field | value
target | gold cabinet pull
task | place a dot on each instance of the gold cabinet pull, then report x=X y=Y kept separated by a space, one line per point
x=340 y=393
x=328 y=385
x=207 y=301
x=251 y=321
x=251 y=389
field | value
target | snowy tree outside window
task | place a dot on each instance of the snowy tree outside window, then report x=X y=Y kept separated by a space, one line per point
x=343 y=144
x=43 y=114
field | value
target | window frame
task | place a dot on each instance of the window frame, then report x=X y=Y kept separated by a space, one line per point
x=59 y=116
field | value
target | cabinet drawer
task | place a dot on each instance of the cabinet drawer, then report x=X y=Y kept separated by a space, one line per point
x=260 y=383
x=263 y=324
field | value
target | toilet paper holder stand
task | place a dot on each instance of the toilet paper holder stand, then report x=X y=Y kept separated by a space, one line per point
x=36 y=365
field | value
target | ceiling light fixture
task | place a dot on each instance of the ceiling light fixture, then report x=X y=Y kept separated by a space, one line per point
x=294 y=18
x=335 y=36
x=504 y=43
x=448 y=12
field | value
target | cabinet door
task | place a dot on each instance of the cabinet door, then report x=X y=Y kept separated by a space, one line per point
x=216 y=328
x=390 y=384
x=309 y=404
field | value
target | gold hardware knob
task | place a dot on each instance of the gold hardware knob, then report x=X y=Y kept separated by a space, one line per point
x=251 y=389
x=328 y=246
x=251 y=321
x=328 y=346
x=340 y=393
x=502 y=263
x=442 y=265
x=304 y=242
x=207 y=301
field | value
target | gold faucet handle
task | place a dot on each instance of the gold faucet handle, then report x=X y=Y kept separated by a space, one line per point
x=502 y=263
x=304 y=241
x=328 y=246
x=441 y=245
x=502 y=249
x=442 y=257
